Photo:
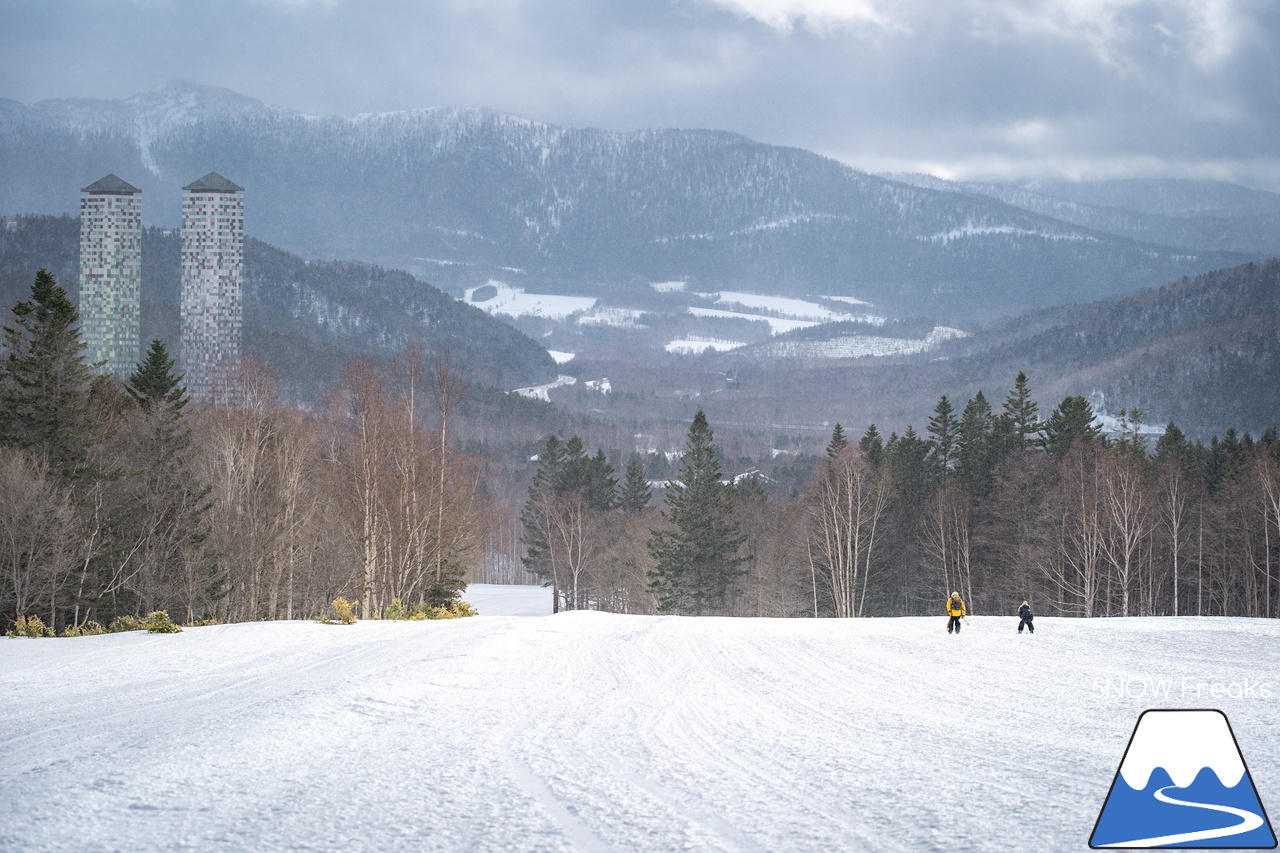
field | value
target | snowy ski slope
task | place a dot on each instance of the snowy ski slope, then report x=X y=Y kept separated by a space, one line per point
x=522 y=731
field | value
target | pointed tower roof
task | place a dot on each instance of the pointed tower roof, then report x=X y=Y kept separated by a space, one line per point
x=212 y=183
x=111 y=185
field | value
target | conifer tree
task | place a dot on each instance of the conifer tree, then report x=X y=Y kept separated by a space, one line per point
x=976 y=450
x=45 y=388
x=942 y=435
x=696 y=560
x=872 y=446
x=1173 y=445
x=906 y=457
x=838 y=442
x=533 y=517
x=154 y=382
x=635 y=488
x=600 y=487
x=750 y=490
x=1019 y=422
x=1070 y=422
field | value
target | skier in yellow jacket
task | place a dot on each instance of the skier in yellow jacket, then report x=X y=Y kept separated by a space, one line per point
x=956 y=610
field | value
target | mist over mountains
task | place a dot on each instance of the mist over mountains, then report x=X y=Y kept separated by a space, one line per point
x=462 y=196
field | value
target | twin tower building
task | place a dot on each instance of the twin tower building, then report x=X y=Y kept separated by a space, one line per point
x=212 y=275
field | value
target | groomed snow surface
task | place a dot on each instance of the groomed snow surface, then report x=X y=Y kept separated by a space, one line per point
x=523 y=731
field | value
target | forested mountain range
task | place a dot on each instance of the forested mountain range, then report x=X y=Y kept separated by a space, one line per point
x=1202 y=352
x=307 y=317
x=460 y=196
x=1196 y=215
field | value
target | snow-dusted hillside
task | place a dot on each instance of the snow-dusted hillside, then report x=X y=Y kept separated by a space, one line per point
x=459 y=195
x=591 y=732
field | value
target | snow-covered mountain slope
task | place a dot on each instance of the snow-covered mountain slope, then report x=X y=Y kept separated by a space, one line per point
x=592 y=732
x=1195 y=215
x=463 y=195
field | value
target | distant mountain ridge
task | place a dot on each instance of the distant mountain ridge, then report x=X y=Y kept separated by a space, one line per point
x=1197 y=215
x=460 y=196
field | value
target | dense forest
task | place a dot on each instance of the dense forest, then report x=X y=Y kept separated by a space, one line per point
x=119 y=499
x=996 y=504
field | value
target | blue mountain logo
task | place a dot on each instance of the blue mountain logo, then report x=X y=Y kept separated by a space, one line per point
x=1183 y=783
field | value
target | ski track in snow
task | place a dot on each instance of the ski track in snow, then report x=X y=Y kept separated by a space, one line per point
x=593 y=732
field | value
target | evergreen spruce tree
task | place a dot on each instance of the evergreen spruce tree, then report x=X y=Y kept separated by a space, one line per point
x=1070 y=422
x=872 y=446
x=696 y=561
x=546 y=481
x=600 y=487
x=45 y=389
x=1173 y=444
x=942 y=435
x=838 y=442
x=907 y=458
x=1019 y=422
x=750 y=490
x=154 y=384
x=976 y=451
x=635 y=488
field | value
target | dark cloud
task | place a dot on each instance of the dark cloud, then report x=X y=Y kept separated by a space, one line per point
x=1002 y=88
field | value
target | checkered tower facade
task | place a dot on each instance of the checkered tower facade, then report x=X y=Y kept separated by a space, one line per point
x=111 y=274
x=212 y=273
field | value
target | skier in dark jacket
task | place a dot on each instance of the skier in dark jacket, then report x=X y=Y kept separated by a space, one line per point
x=1025 y=612
x=956 y=610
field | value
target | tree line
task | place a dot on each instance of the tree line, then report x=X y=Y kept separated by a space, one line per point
x=996 y=504
x=119 y=498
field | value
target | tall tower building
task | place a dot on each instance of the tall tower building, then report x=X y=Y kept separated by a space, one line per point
x=111 y=273
x=212 y=272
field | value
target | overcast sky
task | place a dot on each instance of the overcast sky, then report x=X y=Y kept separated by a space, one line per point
x=1009 y=89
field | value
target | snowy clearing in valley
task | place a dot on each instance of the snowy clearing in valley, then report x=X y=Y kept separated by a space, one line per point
x=622 y=318
x=515 y=302
x=543 y=392
x=692 y=346
x=795 y=309
x=667 y=286
x=777 y=325
x=859 y=346
x=583 y=731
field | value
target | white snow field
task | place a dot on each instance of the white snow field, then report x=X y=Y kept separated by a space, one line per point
x=515 y=302
x=523 y=731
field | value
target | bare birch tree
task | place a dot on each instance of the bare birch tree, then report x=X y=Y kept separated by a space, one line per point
x=846 y=501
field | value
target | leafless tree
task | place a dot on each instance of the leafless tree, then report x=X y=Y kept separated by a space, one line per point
x=37 y=535
x=1075 y=571
x=946 y=534
x=1126 y=518
x=846 y=500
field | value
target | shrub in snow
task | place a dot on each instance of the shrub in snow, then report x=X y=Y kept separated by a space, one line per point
x=452 y=610
x=457 y=610
x=125 y=623
x=88 y=629
x=342 y=611
x=29 y=626
x=158 y=622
